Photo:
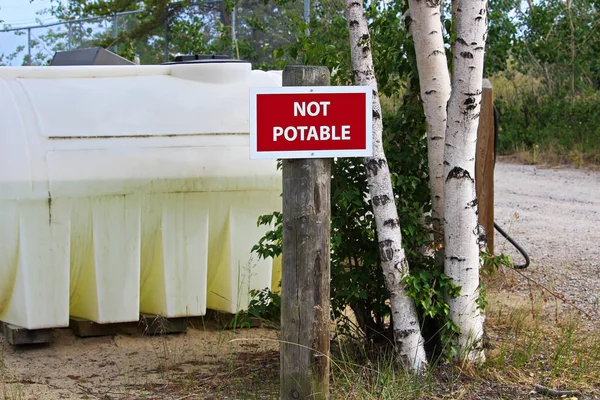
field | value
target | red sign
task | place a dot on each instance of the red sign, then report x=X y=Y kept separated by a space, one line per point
x=311 y=122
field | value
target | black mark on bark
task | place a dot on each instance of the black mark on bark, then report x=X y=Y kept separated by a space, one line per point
x=374 y=165
x=459 y=259
x=430 y=91
x=386 y=250
x=404 y=333
x=466 y=54
x=407 y=22
x=392 y=222
x=459 y=173
x=381 y=200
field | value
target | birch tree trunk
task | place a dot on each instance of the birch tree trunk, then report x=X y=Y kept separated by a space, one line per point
x=426 y=29
x=407 y=333
x=461 y=226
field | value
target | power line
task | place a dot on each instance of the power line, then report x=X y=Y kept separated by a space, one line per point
x=75 y=21
x=24 y=5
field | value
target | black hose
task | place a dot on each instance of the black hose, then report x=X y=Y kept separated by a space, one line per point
x=500 y=230
x=512 y=241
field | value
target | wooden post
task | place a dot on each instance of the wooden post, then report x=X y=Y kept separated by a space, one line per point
x=484 y=164
x=305 y=318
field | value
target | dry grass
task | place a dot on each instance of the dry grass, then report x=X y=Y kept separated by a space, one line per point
x=552 y=158
x=527 y=346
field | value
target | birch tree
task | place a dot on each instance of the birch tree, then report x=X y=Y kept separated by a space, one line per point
x=424 y=21
x=407 y=334
x=461 y=228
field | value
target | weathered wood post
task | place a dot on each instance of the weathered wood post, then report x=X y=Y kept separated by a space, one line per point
x=484 y=164
x=305 y=299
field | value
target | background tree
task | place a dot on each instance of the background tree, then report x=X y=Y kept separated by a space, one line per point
x=244 y=29
x=552 y=65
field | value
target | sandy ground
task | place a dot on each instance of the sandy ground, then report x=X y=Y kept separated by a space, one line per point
x=553 y=213
x=134 y=366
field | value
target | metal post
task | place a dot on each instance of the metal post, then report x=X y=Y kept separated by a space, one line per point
x=115 y=31
x=167 y=34
x=70 y=36
x=233 y=34
x=307 y=14
x=305 y=302
x=28 y=46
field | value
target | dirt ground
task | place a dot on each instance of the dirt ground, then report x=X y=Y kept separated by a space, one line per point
x=137 y=366
x=553 y=213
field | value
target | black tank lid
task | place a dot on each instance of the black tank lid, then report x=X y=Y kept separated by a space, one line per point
x=203 y=58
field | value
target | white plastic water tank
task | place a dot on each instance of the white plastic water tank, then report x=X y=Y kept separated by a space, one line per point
x=128 y=189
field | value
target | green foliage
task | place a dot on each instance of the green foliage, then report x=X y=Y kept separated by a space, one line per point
x=356 y=277
x=428 y=287
x=242 y=29
x=269 y=246
x=265 y=304
x=529 y=120
x=547 y=93
x=502 y=36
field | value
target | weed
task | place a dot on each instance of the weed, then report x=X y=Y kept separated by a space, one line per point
x=9 y=389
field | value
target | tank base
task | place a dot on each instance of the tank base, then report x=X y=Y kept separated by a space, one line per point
x=86 y=328
x=17 y=336
x=157 y=325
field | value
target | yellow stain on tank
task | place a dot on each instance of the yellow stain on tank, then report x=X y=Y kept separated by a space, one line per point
x=9 y=254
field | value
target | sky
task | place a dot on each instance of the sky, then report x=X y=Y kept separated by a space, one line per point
x=21 y=13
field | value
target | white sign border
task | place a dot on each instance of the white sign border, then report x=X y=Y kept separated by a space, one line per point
x=256 y=155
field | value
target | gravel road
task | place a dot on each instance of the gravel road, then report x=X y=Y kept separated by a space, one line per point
x=554 y=214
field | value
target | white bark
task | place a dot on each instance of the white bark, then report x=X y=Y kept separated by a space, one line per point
x=407 y=334
x=461 y=225
x=426 y=27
